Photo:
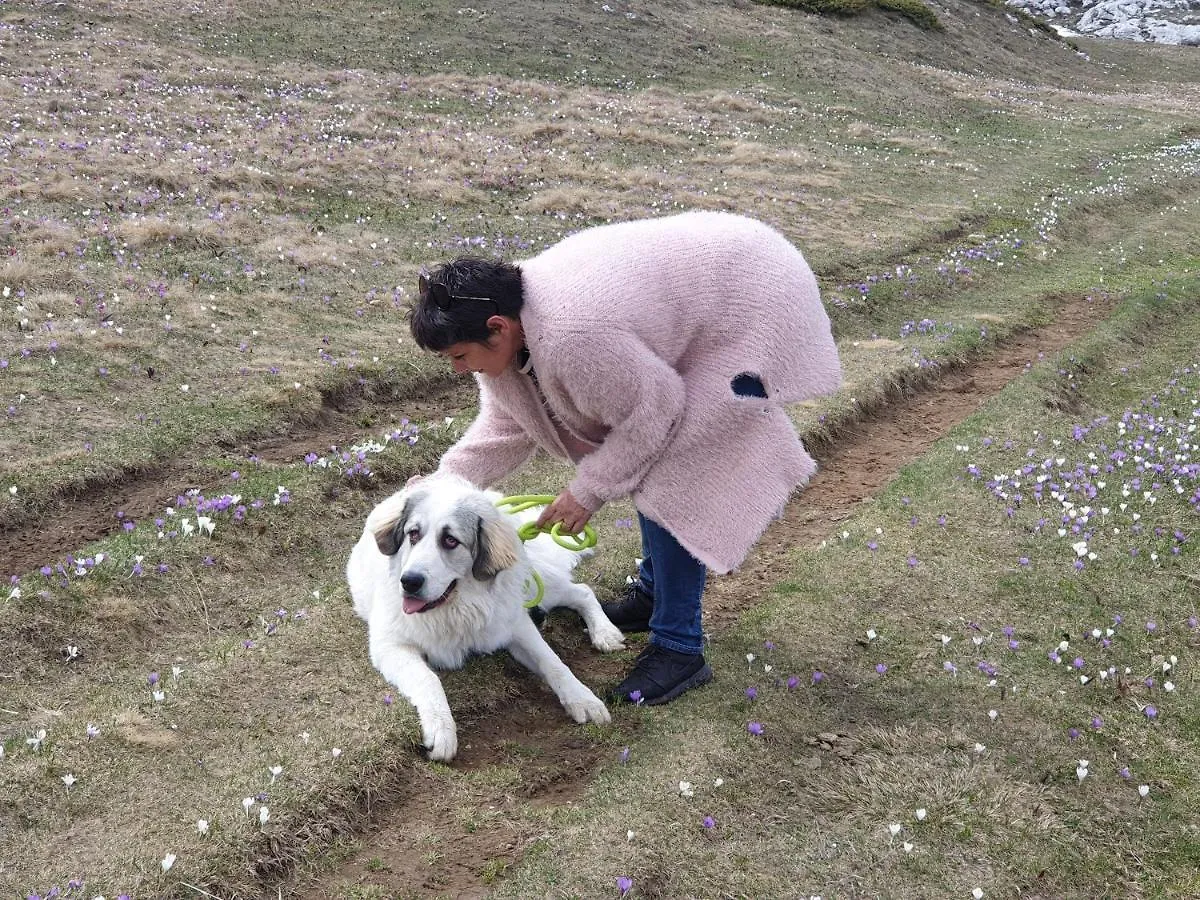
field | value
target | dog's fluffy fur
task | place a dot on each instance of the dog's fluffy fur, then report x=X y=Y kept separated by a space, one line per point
x=440 y=574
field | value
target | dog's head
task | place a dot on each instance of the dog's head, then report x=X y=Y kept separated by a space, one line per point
x=442 y=530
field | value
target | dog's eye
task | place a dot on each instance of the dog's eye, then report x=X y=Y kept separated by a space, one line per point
x=414 y=535
x=449 y=541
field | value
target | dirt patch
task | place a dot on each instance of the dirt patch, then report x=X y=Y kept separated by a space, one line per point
x=430 y=846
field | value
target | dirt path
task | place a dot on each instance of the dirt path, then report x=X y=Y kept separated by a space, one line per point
x=402 y=857
x=90 y=514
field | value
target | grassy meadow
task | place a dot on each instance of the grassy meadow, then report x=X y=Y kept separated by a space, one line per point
x=981 y=682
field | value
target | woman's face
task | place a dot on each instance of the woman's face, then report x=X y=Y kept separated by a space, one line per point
x=490 y=358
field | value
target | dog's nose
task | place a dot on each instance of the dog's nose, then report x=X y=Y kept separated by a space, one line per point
x=412 y=582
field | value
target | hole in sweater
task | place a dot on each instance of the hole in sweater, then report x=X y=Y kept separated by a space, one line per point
x=748 y=384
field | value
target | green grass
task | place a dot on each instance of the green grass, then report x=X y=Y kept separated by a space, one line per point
x=913 y=10
x=296 y=167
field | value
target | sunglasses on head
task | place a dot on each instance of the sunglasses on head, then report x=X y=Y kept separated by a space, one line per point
x=440 y=294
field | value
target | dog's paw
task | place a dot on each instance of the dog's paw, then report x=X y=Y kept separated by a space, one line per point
x=607 y=637
x=589 y=708
x=441 y=741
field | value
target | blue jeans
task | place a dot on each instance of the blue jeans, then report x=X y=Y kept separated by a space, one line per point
x=675 y=579
x=672 y=576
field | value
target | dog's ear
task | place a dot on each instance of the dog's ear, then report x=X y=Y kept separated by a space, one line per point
x=388 y=520
x=497 y=546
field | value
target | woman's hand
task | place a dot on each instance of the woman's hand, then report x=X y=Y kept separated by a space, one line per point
x=565 y=509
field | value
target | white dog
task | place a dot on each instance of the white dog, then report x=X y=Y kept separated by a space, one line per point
x=440 y=574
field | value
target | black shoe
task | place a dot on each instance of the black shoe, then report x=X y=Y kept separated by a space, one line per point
x=660 y=675
x=632 y=612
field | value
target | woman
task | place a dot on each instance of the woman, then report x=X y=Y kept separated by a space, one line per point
x=657 y=356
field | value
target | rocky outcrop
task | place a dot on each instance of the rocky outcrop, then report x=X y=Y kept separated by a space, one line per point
x=1158 y=21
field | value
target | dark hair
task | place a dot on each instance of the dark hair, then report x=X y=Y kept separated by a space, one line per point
x=477 y=289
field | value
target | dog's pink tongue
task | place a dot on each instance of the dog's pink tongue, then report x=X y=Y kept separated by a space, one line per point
x=413 y=604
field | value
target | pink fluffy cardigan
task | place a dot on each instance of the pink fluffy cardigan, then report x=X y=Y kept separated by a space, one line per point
x=636 y=331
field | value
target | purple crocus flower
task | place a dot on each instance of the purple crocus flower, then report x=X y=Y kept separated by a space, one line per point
x=755 y=728
x=624 y=884
x=751 y=693
x=709 y=823
x=792 y=682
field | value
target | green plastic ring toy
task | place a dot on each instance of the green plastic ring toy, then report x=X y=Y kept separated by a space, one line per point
x=583 y=540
